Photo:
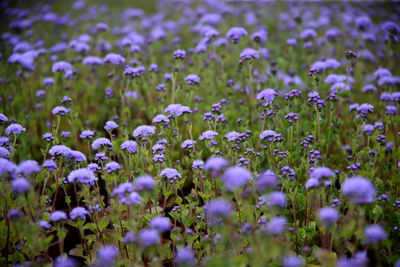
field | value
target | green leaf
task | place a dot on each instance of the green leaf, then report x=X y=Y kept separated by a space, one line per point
x=103 y=222
x=326 y=258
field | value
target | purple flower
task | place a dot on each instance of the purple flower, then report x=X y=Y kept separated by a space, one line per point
x=192 y=79
x=171 y=174
x=28 y=167
x=48 y=82
x=221 y=42
x=185 y=257
x=161 y=87
x=4 y=141
x=20 y=185
x=363 y=23
x=308 y=34
x=360 y=259
x=15 y=129
x=80 y=212
x=161 y=224
x=76 y=156
x=340 y=85
x=149 y=237
x=328 y=216
x=60 y=150
x=198 y=164
x=385 y=96
x=110 y=125
x=359 y=189
x=100 y=142
x=270 y=136
x=134 y=72
x=94 y=208
x=61 y=66
x=353 y=106
x=160 y=118
x=102 y=26
x=158 y=148
x=286 y=170
x=382 y=72
x=268 y=95
x=129 y=238
x=180 y=54
x=126 y=194
x=50 y=164
x=7 y=166
x=208 y=135
x=293 y=261
x=168 y=77
x=364 y=109
x=235 y=177
x=123 y=189
x=65 y=134
x=249 y=53
x=91 y=60
x=215 y=165
x=94 y=167
x=112 y=166
x=334 y=78
x=48 y=137
x=188 y=144
x=396 y=96
x=177 y=109
x=374 y=233
x=58 y=216
x=87 y=134
x=391 y=110
x=350 y=54
x=109 y=92
x=114 y=59
x=130 y=146
x=14 y=215
x=4 y=153
x=275 y=226
x=290 y=117
x=134 y=198
x=319 y=176
x=100 y=156
x=59 y=47
x=369 y=128
x=65 y=261
x=44 y=224
x=143 y=131
x=313 y=96
x=235 y=33
x=131 y=94
x=144 y=183
x=60 y=110
x=218 y=210
x=208 y=116
x=106 y=256
x=83 y=175
x=40 y=93
x=291 y=42
x=276 y=199
x=259 y=36
x=3 y=118
x=391 y=27
x=232 y=136
x=266 y=180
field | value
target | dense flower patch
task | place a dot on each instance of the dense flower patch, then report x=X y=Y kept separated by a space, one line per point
x=207 y=133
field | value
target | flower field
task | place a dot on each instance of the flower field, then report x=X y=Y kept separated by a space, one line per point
x=199 y=133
